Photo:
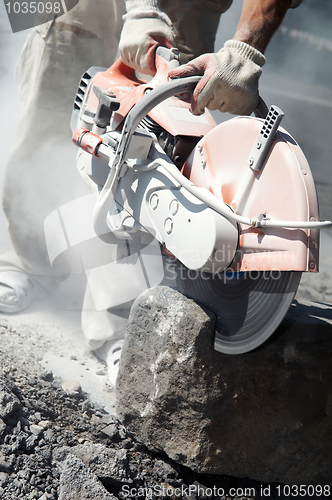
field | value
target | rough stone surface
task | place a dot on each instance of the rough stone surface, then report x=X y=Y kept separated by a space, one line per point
x=72 y=387
x=36 y=429
x=109 y=464
x=78 y=482
x=2 y=426
x=266 y=414
x=31 y=465
x=9 y=402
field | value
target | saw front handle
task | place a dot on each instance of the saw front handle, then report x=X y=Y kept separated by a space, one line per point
x=169 y=59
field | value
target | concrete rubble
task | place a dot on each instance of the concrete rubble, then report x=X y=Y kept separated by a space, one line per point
x=83 y=452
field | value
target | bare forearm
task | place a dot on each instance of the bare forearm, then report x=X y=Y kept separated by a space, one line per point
x=259 y=20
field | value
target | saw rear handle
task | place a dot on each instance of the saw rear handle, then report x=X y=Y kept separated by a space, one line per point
x=108 y=103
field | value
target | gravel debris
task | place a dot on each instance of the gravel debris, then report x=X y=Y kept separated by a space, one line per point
x=60 y=446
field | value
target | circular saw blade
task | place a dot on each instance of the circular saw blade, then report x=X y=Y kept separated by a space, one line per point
x=249 y=306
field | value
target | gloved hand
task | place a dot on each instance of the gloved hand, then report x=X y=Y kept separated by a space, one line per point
x=139 y=40
x=229 y=79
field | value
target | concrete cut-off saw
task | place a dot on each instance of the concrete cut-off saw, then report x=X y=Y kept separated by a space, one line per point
x=234 y=204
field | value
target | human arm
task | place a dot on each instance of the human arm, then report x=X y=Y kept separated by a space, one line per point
x=259 y=20
x=230 y=77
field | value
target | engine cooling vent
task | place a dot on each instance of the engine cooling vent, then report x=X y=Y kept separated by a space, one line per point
x=151 y=126
x=79 y=97
x=81 y=91
x=85 y=80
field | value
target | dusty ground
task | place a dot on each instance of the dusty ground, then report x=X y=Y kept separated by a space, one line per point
x=48 y=337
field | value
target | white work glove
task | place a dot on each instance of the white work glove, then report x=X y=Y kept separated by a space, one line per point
x=145 y=28
x=229 y=79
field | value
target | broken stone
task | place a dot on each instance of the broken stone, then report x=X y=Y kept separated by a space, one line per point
x=36 y=429
x=31 y=442
x=6 y=463
x=266 y=414
x=3 y=427
x=111 y=431
x=45 y=424
x=107 y=463
x=47 y=376
x=3 y=478
x=72 y=388
x=78 y=482
x=9 y=403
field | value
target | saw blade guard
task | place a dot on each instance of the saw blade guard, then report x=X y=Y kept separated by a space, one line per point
x=283 y=189
x=252 y=297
